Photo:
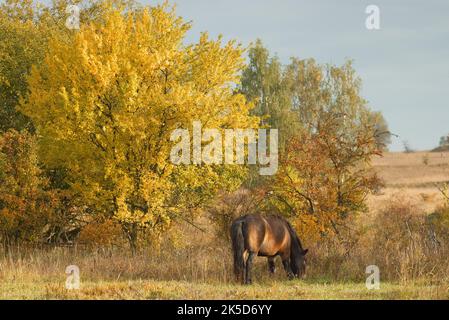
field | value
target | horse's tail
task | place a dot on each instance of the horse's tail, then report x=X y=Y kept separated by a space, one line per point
x=238 y=247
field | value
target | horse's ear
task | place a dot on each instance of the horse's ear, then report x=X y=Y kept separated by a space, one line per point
x=305 y=252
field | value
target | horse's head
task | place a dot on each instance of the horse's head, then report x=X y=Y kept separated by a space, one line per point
x=298 y=263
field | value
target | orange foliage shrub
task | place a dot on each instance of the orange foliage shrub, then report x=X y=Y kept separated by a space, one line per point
x=104 y=233
x=30 y=210
x=325 y=178
x=23 y=204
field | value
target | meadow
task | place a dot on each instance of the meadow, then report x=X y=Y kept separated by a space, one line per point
x=200 y=266
x=39 y=274
x=414 y=175
x=93 y=181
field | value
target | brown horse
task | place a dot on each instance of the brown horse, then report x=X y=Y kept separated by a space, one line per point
x=266 y=236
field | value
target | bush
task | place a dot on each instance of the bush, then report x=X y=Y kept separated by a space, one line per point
x=404 y=242
x=30 y=210
x=23 y=204
x=439 y=225
x=230 y=206
x=398 y=235
x=106 y=233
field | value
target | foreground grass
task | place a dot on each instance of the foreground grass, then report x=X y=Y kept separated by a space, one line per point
x=193 y=273
x=152 y=289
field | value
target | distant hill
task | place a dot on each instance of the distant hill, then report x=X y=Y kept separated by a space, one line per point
x=441 y=149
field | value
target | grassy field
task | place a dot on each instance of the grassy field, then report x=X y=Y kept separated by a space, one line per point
x=196 y=273
x=200 y=268
x=153 y=289
x=412 y=175
x=30 y=274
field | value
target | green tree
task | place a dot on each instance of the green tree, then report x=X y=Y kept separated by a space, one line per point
x=297 y=95
x=264 y=82
x=22 y=44
x=444 y=141
x=329 y=136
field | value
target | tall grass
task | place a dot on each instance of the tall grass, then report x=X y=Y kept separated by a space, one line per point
x=408 y=247
x=406 y=244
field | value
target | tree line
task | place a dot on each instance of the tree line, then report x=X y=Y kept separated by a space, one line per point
x=86 y=117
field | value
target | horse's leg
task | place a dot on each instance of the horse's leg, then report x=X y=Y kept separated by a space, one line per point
x=239 y=268
x=271 y=265
x=249 y=263
x=288 y=269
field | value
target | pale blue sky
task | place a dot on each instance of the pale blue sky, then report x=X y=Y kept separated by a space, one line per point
x=404 y=65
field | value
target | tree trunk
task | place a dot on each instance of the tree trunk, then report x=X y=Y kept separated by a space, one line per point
x=131 y=231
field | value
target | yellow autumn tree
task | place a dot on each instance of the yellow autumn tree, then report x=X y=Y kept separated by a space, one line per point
x=26 y=26
x=106 y=102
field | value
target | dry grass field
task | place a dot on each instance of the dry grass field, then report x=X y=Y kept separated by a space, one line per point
x=200 y=268
x=412 y=175
x=203 y=274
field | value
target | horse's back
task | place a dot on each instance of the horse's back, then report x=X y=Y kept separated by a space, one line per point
x=278 y=227
x=264 y=234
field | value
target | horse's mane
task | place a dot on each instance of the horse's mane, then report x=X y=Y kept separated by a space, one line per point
x=296 y=243
x=296 y=248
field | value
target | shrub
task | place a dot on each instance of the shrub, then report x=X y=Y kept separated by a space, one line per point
x=23 y=204
x=439 y=225
x=229 y=206
x=30 y=210
x=404 y=243
x=105 y=233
